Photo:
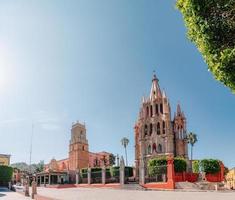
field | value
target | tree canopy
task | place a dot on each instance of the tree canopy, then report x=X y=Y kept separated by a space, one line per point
x=35 y=168
x=211 y=26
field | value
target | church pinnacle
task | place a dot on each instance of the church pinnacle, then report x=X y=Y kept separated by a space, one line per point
x=155 y=89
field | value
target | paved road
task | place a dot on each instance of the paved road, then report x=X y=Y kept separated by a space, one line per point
x=5 y=194
x=115 y=194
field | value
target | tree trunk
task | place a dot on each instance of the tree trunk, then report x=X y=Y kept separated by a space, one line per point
x=126 y=157
x=191 y=158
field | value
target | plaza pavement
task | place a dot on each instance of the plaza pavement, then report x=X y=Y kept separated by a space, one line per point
x=5 y=194
x=118 y=194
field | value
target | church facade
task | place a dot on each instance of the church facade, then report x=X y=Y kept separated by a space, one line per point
x=79 y=156
x=156 y=133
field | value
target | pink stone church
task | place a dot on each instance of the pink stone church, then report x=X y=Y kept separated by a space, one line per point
x=156 y=133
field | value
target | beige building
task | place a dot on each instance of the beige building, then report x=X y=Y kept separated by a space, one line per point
x=230 y=179
x=4 y=159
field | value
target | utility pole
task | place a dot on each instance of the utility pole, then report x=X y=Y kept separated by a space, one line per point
x=30 y=154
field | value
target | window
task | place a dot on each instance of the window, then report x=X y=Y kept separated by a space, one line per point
x=149 y=149
x=151 y=111
x=83 y=148
x=156 y=109
x=161 y=108
x=145 y=129
x=147 y=111
x=164 y=127
x=159 y=148
x=154 y=148
x=158 y=128
x=150 y=129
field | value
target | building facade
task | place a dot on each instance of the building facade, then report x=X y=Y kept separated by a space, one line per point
x=5 y=159
x=230 y=179
x=156 y=133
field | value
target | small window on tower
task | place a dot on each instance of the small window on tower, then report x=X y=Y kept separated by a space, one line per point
x=156 y=109
x=145 y=129
x=147 y=111
x=158 y=128
x=83 y=148
x=150 y=129
x=154 y=148
x=161 y=108
x=164 y=127
x=159 y=148
x=149 y=149
x=151 y=110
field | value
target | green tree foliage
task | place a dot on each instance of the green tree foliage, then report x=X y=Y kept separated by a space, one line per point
x=211 y=26
x=210 y=166
x=196 y=166
x=180 y=164
x=5 y=175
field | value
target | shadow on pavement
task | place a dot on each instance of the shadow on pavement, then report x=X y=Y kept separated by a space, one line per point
x=2 y=195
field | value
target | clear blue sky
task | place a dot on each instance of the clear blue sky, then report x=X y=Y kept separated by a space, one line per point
x=62 y=61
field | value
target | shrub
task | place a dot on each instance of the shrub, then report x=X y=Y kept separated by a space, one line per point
x=211 y=26
x=128 y=171
x=96 y=172
x=5 y=175
x=108 y=174
x=180 y=164
x=115 y=171
x=210 y=166
x=84 y=172
x=157 y=166
x=196 y=166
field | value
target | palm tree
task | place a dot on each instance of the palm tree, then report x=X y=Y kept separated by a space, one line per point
x=125 y=142
x=191 y=139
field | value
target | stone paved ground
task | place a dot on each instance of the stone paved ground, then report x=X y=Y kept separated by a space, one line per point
x=7 y=195
x=116 y=194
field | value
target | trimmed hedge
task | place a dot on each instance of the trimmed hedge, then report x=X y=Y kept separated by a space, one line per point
x=6 y=173
x=210 y=166
x=180 y=164
x=211 y=26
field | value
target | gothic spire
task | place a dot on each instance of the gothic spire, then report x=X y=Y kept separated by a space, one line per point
x=155 y=89
x=178 y=109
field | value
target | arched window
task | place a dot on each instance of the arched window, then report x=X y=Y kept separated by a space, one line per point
x=158 y=128
x=149 y=149
x=151 y=111
x=154 y=147
x=156 y=109
x=150 y=129
x=159 y=148
x=164 y=127
x=145 y=129
x=147 y=111
x=161 y=108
